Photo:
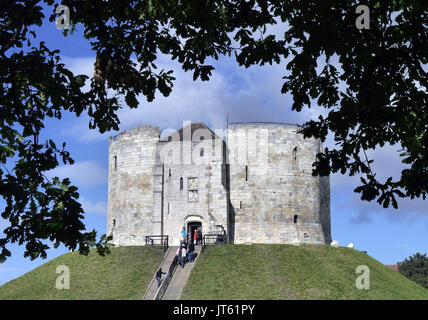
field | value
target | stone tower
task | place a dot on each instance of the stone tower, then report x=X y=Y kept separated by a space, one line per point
x=132 y=157
x=258 y=186
x=273 y=196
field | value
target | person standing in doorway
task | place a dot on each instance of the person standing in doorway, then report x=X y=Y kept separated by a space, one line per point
x=183 y=234
x=195 y=236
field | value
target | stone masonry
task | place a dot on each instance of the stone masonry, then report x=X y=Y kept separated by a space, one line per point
x=273 y=194
x=256 y=182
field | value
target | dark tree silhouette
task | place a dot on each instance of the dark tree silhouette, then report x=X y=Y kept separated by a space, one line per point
x=415 y=268
x=376 y=91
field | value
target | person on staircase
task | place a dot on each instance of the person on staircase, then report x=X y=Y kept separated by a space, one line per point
x=184 y=256
x=191 y=249
x=159 y=276
x=181 y=254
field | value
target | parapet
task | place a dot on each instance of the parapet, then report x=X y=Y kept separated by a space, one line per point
x=146 y=130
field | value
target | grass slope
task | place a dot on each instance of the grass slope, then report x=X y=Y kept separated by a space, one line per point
x=123 y=274
x=292 y=272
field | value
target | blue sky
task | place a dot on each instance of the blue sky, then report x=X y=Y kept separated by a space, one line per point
x=246 y=95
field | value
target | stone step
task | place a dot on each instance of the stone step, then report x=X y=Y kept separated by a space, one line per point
x=178 y=281
x=166 y=262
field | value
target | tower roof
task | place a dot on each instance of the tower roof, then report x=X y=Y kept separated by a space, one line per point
x=193 y=128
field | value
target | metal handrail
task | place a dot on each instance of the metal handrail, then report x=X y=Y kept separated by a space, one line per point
x=163 y=240
x=165 y=282
x=213 y=238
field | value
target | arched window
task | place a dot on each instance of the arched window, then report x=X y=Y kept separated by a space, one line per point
x=181 y=183
x=295 y=218
x=201 y=152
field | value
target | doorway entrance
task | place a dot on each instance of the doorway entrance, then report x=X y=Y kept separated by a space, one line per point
x=191 y=227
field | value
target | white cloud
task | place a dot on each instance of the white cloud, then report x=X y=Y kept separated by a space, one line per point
x=82 y=65
x=97 y=207
x=252 y=94
x=82 y=174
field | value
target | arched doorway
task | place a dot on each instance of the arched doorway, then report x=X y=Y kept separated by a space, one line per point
x=191 y=228
x=192 y=223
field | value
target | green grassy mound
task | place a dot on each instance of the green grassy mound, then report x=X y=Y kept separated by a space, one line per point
x=123 y=274
x=292 y=272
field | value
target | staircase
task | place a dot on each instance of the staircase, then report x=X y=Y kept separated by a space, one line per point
x=166 y=262
x=178 y=280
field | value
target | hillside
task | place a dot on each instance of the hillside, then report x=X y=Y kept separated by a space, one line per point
x=292 y=272
x=123 y=274
x=221 y=272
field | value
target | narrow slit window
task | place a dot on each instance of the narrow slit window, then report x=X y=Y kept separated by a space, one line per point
x=169 y=172
x=240 y=204
x=246 y=173
x=181 y=183
x=295 y=218
x=201 y=152
x=115 y=162
x=295 y=158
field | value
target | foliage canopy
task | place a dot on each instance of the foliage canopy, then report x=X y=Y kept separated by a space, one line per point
x=373 y=82
x=415 y=268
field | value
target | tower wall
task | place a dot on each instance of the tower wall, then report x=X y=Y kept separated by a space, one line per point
x=211 y=206
x=130 y=192
x=273 y=196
